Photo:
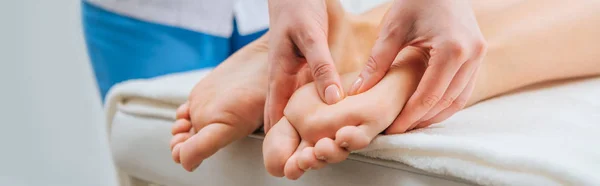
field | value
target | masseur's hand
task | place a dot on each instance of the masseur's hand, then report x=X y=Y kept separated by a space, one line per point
x=298 y=39
x=446 y=31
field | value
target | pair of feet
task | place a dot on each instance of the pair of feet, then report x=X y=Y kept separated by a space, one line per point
x=228 y=105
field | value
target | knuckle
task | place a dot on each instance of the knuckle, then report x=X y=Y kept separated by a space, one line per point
x=458 y=104
x=429 y=100
x=308 y=36
x=322 y=70
x=446 y=101
x=371 y=66
x=456 y=49
x=480 y=47
x=391 y=31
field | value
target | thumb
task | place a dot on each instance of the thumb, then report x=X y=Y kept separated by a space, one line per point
x=386 y=48
x=327 y=80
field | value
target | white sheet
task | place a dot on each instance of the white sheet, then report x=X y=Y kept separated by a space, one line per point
x=140 y=147
x=544 y=137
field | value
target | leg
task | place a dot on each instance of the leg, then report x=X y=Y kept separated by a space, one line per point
x=522 y=51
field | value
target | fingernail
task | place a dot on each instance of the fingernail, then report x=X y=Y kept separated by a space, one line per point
x=344 y=145
x=332 y=94
x=356 y=86
x=322 y=158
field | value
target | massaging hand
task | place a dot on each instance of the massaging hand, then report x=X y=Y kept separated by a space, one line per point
x=298 y=40
x=447 y=32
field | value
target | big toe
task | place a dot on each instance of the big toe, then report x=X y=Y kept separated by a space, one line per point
x=280 y=143
x=206 y=142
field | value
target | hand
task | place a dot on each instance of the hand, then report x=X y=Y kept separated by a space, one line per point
x=447 y=31
x=298 y=39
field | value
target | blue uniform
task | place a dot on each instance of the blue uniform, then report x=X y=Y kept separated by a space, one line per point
x=123 y=47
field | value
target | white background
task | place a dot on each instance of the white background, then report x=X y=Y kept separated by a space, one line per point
x=52 y=130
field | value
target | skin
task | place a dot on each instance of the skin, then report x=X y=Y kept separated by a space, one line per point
x=523 y=50
x=222 y=107
x=445 y=30
x=299 y=45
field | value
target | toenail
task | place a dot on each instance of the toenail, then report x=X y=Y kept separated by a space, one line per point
x=322 y=158
x=344 y=145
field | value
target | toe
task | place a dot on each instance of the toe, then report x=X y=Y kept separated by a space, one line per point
x=178 y=138
x=308 y=161
x=183 y=112
x=354 y=137
x=292 y=171
x=326 y=149
x=175 y=153
x=280 y=143
x=207 y=142
x=181 y=126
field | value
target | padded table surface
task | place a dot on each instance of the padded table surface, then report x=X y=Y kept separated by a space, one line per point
x=140 y=147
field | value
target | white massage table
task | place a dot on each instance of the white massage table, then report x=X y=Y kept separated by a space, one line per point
x=544 y=136
x=140 y=149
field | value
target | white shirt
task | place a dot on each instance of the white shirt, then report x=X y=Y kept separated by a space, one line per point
x=213 y=17
x=209 y=16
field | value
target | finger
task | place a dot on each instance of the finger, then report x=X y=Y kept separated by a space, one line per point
x=458 y=85
x=392 y=38
x=443 y=65
x=460 y=102
x=312 y=43
x=278 y=97
x=266 y=117
x=283 y=69
x=181 y=126
x=183 y=112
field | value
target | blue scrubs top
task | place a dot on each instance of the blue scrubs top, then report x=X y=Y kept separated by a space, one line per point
x=122 y=48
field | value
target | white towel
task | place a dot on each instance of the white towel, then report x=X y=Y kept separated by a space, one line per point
x=546 y=136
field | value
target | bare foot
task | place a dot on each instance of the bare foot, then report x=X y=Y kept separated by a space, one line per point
x=313 y=133
x=228 y=104
x=224 y=106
